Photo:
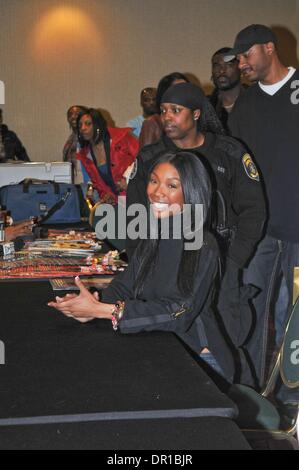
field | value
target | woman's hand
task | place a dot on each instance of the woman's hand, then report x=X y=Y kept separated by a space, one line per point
x=107 y=199
x=80 y=307
x=83 y=307
x=73 y=296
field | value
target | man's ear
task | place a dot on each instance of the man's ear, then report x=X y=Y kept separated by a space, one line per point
x=196 y=114
x=270 y=48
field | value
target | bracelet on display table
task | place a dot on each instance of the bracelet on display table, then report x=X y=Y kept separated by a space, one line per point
x=117 y=314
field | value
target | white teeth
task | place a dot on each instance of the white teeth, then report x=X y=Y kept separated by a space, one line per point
x=159 y=206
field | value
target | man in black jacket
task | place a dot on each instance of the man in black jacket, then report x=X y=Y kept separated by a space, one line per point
x=226 y=77
x=266 y=119
x=11 y=148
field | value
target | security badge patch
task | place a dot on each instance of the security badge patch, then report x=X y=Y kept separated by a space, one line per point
x=250 y=167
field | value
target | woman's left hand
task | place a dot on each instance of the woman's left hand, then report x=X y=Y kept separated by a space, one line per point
x=81 y=307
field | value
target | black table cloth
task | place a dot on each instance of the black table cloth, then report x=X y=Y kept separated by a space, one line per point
x=62 y=378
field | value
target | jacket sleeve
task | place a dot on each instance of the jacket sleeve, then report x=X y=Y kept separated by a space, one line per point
x=248 y=203
x=174 y=314
x=122 y=286
x=131 y=148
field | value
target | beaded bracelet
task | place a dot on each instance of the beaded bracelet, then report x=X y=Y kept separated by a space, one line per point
x=117 y=314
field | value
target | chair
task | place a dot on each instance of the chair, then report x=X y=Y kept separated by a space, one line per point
x=259 y=419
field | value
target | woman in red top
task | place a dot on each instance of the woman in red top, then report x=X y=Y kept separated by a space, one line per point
x=105 y=154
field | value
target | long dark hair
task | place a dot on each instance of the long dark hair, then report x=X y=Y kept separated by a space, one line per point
x=99 y=126
x=209 y=121
x=196 y=189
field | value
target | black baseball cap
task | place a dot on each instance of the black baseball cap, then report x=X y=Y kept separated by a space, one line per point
x=248 y=37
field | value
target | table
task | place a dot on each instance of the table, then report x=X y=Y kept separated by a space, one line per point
x=173 y=434
x=59 y=372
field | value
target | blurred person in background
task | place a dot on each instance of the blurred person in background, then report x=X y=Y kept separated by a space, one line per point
x=149 y=107
x=105 y=154
x=11 y=148
x=70 y=147
x=226 y=77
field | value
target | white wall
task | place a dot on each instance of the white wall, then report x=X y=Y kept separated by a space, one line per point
x=102 y=52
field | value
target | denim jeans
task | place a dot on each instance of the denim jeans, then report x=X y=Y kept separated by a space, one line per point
x=211 y=361
x=281 y=306
x=274 y=260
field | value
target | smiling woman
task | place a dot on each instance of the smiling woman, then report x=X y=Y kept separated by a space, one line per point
x=63 y=32
x=164 y=190
x=166 y=286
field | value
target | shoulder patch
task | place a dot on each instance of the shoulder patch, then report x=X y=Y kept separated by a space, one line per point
x=134 y=170
x=250 y=167
x=232 y=147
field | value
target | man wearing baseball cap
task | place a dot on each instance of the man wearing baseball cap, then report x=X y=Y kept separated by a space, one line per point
x=226 y=77
x=266 y=119
x=248 y=37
